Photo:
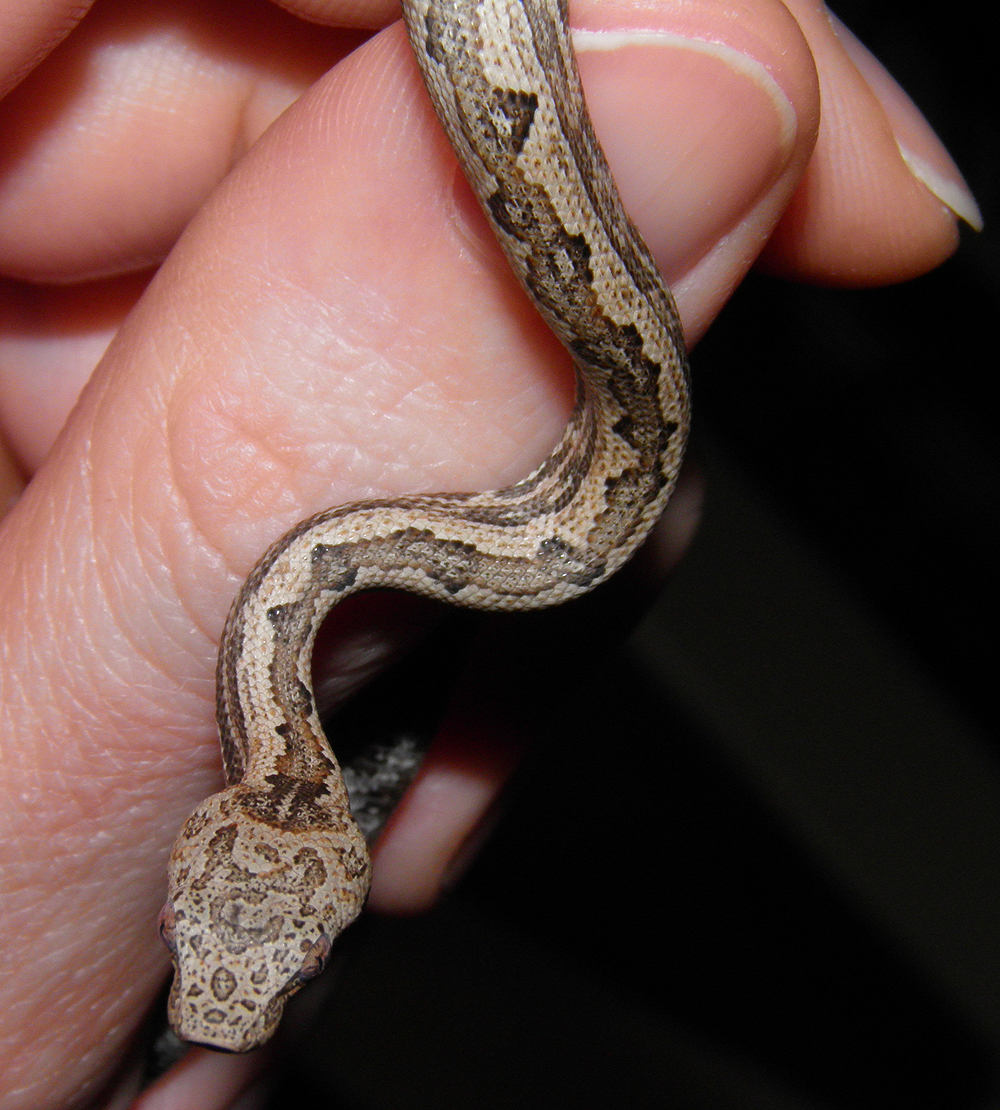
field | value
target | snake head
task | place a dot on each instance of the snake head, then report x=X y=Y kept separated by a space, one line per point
x=252 y=912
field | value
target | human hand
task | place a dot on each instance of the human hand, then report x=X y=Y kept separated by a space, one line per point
x=215 y=421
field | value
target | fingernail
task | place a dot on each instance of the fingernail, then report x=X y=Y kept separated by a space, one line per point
x=679 y=147
x=744 y=64
x=922 y=151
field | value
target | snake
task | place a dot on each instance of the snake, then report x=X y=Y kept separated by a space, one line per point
x=268 y=872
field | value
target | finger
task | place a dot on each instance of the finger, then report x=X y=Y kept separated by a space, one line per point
x=50 y=342
x=881 y=195
x=345 y=13
x=751 y=50
x=205 y=1080
x=213 y=424
x=29 y=29
x=116 y=138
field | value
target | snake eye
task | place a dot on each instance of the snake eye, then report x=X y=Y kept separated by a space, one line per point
x=166 y=924
x=315 y=959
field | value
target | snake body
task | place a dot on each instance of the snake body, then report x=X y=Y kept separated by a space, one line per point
x=266 y=873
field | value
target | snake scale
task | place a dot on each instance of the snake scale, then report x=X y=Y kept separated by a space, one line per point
x=266 y=873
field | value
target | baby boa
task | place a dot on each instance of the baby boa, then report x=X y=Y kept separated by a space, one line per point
x=266 y=873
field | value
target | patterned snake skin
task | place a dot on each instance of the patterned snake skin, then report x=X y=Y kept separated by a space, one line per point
x=266 y=873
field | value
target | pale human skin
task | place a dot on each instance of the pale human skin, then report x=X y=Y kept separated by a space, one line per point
x=296 y=351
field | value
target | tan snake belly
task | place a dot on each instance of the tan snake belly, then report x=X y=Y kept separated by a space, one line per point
x=266 y=873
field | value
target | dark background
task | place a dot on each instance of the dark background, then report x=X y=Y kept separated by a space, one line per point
x=798 y=741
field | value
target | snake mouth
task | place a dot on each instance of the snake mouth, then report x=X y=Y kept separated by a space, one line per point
x=229 y=1051
x=232 y=1041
